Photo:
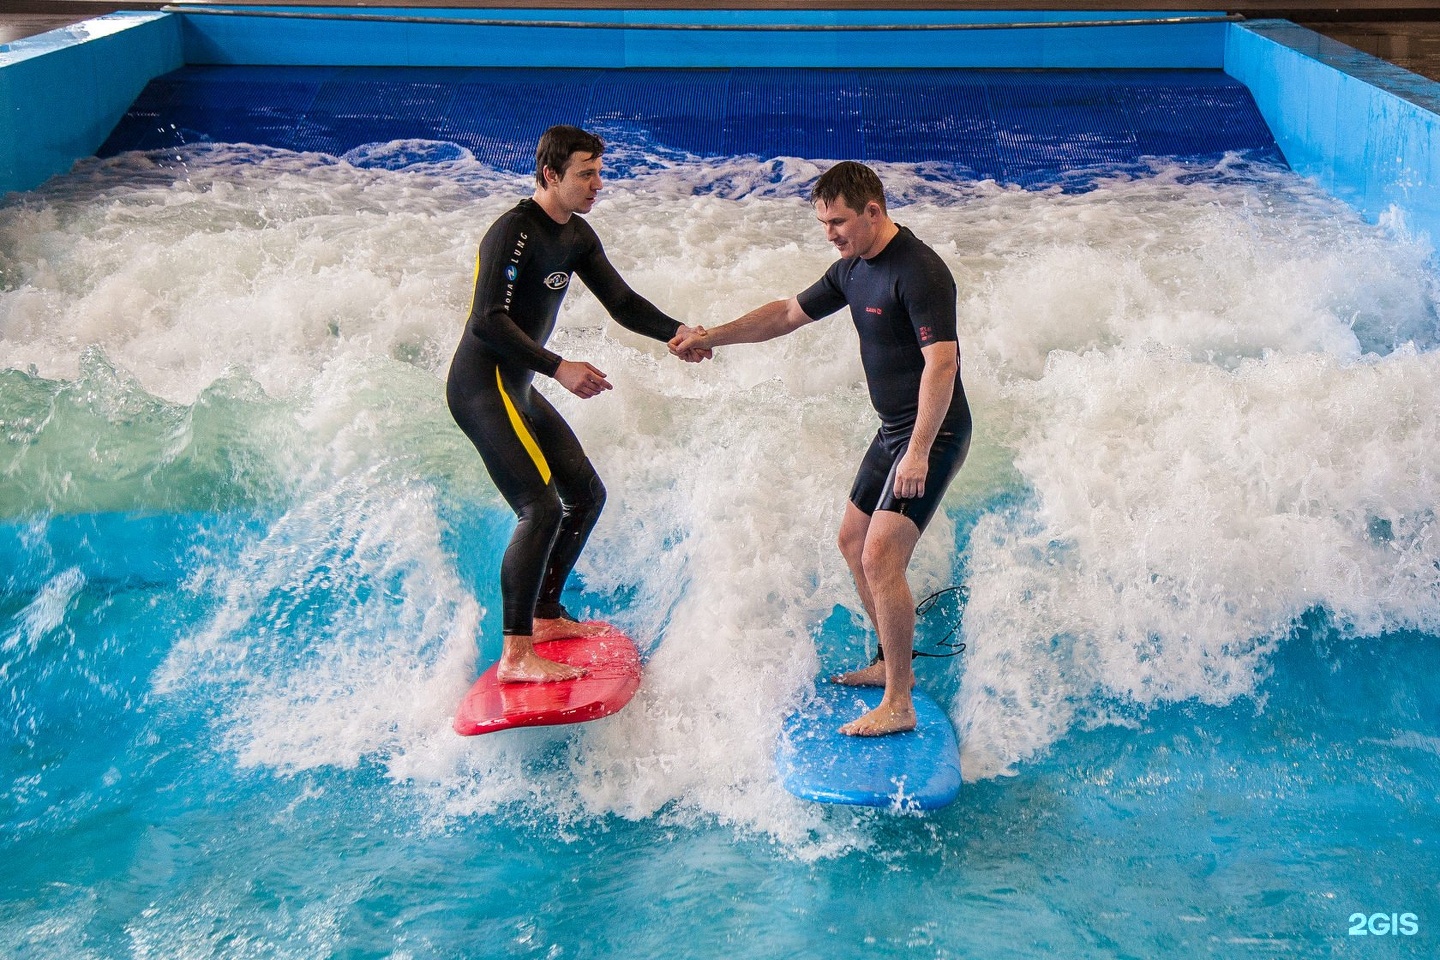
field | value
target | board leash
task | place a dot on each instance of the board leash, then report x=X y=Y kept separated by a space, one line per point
x=946 y=643
x=946 y=648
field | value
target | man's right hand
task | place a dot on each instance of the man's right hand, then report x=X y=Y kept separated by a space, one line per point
x=689 y=344
x=581 y=379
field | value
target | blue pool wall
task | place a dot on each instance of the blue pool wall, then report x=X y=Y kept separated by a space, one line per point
x=61 y=93
x=250 y=40
x=1367 y=131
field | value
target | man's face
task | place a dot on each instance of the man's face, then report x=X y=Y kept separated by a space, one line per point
x=853 y=233
x=577 y=187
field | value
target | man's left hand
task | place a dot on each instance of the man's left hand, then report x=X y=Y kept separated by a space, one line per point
x=910 y=476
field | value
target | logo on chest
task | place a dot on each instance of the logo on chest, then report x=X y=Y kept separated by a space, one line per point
x=557 y=280
x=875 y=310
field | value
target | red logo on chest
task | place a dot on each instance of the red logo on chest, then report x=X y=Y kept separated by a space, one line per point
x=875 y=310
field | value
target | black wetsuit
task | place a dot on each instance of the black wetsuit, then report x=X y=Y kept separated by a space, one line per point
x=538 y=465
x=902 y=299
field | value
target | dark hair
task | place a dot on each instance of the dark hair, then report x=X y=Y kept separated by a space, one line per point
x=852 y=182
x=558 y=143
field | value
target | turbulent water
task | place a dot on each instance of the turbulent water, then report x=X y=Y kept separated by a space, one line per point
x=1203 y=402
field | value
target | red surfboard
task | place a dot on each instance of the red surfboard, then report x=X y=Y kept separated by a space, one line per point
x=612 y=675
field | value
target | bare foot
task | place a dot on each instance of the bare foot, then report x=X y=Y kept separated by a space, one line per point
x=884 y=719
x=871 y=676
x=533 y=668
x=562 y=629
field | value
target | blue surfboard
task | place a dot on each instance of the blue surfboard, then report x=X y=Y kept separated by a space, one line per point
x=918 y=770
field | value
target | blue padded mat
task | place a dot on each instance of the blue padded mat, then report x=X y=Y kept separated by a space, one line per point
x=1032 y=128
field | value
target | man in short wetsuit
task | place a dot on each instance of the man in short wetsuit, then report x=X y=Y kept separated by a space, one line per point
x=523 y=270
x=902 y=300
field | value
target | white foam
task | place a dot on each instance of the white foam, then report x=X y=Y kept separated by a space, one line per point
x=44 y=614
x=1193 y=424
x=1185 y=516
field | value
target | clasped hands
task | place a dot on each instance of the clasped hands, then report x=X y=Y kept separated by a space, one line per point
x=586 y=380
x=690 y=344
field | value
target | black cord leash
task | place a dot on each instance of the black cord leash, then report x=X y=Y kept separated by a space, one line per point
x=924 y=607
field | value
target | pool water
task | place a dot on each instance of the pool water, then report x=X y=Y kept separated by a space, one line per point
x=249 y=571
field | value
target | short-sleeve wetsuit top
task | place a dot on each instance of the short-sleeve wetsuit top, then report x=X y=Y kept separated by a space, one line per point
x=902 y=300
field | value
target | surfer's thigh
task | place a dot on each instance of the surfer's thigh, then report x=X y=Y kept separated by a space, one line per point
x=575 y=478
x=507 y=443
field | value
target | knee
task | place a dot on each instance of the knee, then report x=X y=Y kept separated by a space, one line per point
x=880 y=561
x=541 y=515
x=595 y=499
x=582 y=509
x=585 y=498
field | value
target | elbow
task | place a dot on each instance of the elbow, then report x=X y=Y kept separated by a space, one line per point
x=485 y=324
x=794 y=316
x=478 y=329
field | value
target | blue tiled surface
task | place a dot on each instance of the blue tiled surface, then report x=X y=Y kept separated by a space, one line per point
x=1015 y=126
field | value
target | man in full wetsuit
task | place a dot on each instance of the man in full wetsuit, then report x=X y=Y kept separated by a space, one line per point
x=902 y=300
x=524 y=267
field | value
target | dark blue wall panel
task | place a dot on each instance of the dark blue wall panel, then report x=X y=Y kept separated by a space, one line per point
x=1031 y=128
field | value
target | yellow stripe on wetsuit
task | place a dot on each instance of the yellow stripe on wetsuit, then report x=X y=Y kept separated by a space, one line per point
x=523 y=432
x=475 y=284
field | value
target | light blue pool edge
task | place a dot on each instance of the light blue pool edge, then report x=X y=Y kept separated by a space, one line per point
x=1366 y=130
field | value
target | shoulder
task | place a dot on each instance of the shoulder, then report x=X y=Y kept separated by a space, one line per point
x=918 y=258
x=512 y=222
x=582 y=231
x=916 y=248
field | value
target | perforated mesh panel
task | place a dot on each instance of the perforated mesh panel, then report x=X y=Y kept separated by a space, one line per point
x=1032 y=128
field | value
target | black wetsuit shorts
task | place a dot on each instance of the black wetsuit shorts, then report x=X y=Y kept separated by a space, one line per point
x=874 y=487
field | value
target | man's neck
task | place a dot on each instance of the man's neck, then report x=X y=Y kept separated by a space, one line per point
x=548 y=202
x=888 y=232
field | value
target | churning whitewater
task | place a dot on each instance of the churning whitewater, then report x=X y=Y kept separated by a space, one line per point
x=1201 y=400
